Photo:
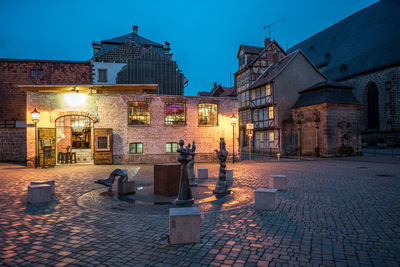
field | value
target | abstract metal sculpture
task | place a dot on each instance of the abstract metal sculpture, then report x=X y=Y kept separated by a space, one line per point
x=222 y=187
x=123 y=178
x=185 y=194
x=192 y=177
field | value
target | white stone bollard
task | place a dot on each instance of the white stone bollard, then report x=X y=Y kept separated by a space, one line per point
x=49 y=182
x=184 y=225
x=202 y=173
x=265 y=199
x=278 y=181
x=39 y=193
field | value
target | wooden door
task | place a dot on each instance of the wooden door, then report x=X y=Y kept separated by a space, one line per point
x=46 y=137
x=103 y=146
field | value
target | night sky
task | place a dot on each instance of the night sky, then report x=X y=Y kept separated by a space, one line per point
x=204 y=35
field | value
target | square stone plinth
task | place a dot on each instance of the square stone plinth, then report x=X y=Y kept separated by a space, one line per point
x=202 y=173
x=39 y=193
x=265 y=199
x=127 y=188
x=49 y=182
x=184 y=225
x=278 y=181
x=166 y=179
x=229 y=175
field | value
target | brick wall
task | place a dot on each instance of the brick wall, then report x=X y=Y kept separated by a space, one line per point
x=13 y=144
x=110 y=111
x=388 y=83
x=17 y=72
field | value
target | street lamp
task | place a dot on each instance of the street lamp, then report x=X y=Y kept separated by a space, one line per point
x=233 y=122
x=35 y=117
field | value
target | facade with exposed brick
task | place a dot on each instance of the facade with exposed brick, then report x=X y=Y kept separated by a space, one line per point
x=110 y=110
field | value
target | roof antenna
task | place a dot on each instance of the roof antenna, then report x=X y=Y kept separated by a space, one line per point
x=268 y=32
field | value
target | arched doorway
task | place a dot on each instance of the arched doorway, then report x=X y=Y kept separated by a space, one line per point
x=373 y=106
x=75 y=134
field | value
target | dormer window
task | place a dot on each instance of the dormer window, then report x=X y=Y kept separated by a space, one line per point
x=243 y=60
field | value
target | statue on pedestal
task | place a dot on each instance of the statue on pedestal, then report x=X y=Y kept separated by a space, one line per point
x=185 y=195
x=222 y=187
x=123 y=178
x=192 y=177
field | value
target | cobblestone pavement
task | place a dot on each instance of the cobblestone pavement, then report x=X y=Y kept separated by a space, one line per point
x=334 y=213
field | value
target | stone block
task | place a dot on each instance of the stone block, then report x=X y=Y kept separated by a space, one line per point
x=39 y=193
x=278 y=181
x=202 y=173
x=265 y=199
x=49 y=182
x=127 y=188
x=229 y=175
x=184 y=225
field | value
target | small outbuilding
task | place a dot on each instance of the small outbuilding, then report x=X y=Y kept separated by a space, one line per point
x=326 y=116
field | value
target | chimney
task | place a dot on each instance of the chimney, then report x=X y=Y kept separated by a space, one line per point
x=170 y=56
x=96 y=47
x=135 y=29
x=266 y=42
x=215 y=85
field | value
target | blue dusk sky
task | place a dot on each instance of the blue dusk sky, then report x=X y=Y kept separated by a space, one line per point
x=204 y=35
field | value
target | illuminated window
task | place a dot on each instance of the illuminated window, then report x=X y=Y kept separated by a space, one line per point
x=175 y=114
x=208 y=114
x=268 y=89
x=135 y=148
x=102 y=75
x=138 y=113
x=81 y=131
x=171 y=147
x=270 y=112
x=271 y=136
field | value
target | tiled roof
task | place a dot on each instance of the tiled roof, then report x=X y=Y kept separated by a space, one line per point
x=326 y=92
x=365 y=41
x=131 y=37
x=273 y=70
x=248 y=49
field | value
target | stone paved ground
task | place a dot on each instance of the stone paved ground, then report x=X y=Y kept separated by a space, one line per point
x=336 y=212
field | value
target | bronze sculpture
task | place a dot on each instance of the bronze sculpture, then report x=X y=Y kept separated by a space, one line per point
x=185 y=195
x=110 y=180
x=192 y=177
x=222 y=187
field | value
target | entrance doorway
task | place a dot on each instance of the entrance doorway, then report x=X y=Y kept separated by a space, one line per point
x=74 y=135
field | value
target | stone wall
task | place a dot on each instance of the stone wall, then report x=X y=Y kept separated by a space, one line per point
x=13 y=144
x=18 y=72
x=110 y=111
x=388 y=83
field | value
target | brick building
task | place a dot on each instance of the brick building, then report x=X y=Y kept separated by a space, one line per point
x=363 y=51
x=219 y=91
x=15 y=72
x=133 y=59
x=126 y=123
x=326 y=121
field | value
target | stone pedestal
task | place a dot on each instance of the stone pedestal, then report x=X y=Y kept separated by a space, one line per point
x=184 y=225
x=39 y=193
x=166 y=179
x=265 y=199
x=202 y=173
x=127 y=188
x=49 y=182
x=278 y=181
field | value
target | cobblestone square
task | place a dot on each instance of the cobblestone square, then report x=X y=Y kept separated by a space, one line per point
x=337 y=212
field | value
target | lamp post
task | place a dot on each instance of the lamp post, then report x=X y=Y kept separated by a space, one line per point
x=233 y=122
x=35 y=117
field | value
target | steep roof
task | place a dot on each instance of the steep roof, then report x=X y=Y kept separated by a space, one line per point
x=365 y=41
x=274 y=70
x=326 y=92
x=248 y=49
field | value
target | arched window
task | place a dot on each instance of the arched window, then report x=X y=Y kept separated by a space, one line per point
x=373 y=106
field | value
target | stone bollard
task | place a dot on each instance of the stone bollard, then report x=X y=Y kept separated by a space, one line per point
x=49 y=182
x=184 y=225
x=278 y=181
x=229 y=177
x=265 y=199
x=39 y=193
x=202 y=173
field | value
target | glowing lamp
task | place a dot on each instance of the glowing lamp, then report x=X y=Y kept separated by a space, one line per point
x=35 y=115
x=233 y=119
x=75 y=99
